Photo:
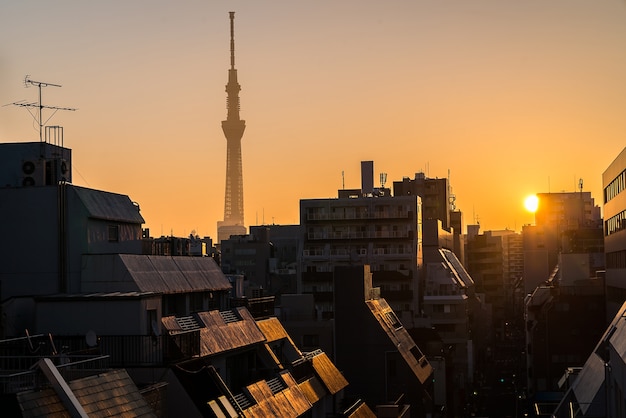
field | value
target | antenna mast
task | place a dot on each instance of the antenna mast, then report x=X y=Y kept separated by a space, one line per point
x=40 y=105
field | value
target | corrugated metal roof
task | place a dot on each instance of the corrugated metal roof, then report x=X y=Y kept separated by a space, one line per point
x=109 y=206
x=272 y=329
x=289 y=402
x=108 y=394
x=166 y=274
x=328 y=373
x=400 y=338
x=217 y=336
x=312 y=389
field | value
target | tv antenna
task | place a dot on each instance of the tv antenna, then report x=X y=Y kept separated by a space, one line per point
x=30 y=82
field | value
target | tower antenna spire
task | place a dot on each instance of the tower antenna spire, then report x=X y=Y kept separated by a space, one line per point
x=233 y=127
x=232 y=40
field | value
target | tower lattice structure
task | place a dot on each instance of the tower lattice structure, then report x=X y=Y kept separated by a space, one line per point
x=233 y=128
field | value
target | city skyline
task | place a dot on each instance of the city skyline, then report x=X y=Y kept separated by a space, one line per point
x=508 y=98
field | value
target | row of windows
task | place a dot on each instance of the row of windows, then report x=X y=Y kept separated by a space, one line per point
x=616 y=260
x=615 y=187
x=615 y=223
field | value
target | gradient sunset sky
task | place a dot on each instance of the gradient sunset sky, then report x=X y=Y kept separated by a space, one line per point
x=509 y=97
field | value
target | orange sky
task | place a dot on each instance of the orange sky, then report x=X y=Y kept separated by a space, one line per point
x=513 y=97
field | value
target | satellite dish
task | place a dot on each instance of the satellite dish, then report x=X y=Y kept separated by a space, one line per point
x=91 y=338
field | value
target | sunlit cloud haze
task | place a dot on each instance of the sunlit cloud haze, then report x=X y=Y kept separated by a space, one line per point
x=508 y=98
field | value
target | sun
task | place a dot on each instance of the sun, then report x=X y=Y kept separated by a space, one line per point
x=531 y=203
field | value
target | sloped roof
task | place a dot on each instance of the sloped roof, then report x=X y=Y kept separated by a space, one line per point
x=216 y=335
x=108 y=206
x=109 y=394
x=289 y=402
x=400 y=338
x=174 y=274
x=328 y=373
x=312 y=389
x=272 y=329
x=460 y=274
x=151 y=273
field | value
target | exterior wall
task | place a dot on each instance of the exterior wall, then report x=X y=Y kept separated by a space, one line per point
x=102 y=315
x=243 y=254
x=615 y=242
x=34 y=238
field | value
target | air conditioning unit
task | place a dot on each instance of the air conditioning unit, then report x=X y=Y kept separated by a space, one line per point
x=62 y=171
x=33 y=173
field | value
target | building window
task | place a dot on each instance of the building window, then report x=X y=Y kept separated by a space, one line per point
x=114 y=233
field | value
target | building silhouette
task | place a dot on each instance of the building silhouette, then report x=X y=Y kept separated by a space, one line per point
x=233 y=128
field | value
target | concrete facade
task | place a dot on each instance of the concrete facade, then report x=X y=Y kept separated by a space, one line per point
x=614 y=185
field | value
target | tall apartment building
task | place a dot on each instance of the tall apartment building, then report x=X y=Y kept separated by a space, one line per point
x=437 y=203
x=359 y=228
x=614 y=184
x=435 y=194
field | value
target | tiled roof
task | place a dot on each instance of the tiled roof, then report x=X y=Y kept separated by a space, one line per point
x=104 y=395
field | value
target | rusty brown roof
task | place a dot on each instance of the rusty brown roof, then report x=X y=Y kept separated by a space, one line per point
x=312 y=389
x=108 y=394
x=217 y=335
x=288 y=402
x=328 y=373
x=272 y=329
x=400 y=338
